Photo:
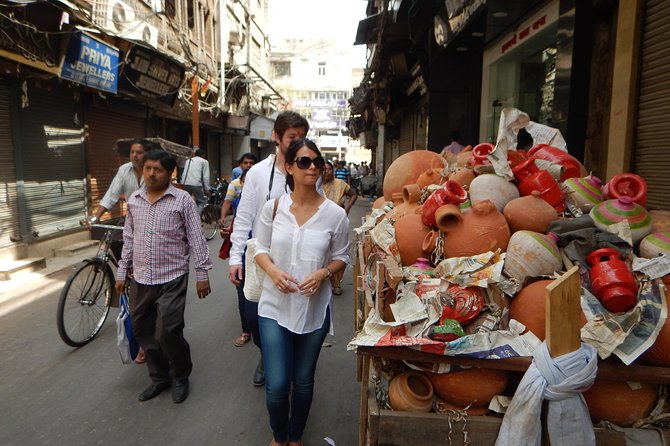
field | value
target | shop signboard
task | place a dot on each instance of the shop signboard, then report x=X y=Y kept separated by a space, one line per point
x=91 y=62
x=151 y=75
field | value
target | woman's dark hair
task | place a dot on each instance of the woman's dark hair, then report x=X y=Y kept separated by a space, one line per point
x=291 y=153
x=167 y=161
x=288 y=120
x=249 y=156
x=330 y=164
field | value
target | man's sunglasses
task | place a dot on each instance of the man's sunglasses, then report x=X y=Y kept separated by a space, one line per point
x=304 y=162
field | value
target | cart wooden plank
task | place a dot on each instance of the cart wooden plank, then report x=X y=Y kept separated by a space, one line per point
x=562 y=314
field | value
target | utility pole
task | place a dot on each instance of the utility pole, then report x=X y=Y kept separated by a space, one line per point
x=195 y=112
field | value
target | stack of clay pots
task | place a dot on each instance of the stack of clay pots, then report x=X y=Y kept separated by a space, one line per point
x=467 y=210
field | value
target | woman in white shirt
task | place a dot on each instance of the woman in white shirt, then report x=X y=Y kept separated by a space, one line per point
x=300 y=249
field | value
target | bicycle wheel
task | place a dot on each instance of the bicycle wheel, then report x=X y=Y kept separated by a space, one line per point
x=209 y=220
x=84 y=303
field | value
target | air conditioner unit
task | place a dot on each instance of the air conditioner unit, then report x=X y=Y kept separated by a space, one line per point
x=120 y=17
x=144 y=32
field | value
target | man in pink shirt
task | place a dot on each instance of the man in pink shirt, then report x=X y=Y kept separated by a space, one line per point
x=161 y=232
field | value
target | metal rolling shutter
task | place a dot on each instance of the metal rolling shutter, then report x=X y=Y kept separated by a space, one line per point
x=53 y=173
x=406 y=140
x=104 y=128
x=9 y=215
x=651 y=152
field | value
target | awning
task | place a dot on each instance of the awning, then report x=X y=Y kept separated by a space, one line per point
x=367 y=30
x=123 y=147
x=261 y=127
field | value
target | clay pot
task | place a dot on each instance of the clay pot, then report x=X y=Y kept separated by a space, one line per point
x=472 y=411
x=480 y=230
x=474 y=387
x=613 y=283
x=465 y=157
x=530 y=213
x=614 y=211
x=450 y=193
x=628 y=185
x=584 y=193
x=494 y=188
x=655 y=244
x=616 y=402
x=659 y=353
x=431 y=176
x=461 y=304
x=571 y=166
x=411 y=195
x=407 y=168
x=531 y=254
x=430 y=241
x=411 y=392
x=463 y=176
x=409 y=235
x=528 y=307
x=379 y=202
x=660 y=221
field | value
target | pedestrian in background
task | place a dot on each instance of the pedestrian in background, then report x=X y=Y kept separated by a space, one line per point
x=299 y=246
x=455 y=145
x=246 y=161
x=264 y=181
x=342 y=171
x=196 y=178
x=161 y=232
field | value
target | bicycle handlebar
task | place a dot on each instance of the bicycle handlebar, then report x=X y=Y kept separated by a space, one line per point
x=98 y=225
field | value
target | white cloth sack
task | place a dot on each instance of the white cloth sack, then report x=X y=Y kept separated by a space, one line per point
x=253 y=274
x=561 y=381
x=122 y=341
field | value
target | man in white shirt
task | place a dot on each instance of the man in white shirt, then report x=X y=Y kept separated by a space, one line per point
x=264 y=181
x=126 y=181
x=196 y=178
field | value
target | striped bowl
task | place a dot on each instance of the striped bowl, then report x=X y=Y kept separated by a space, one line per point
x=615 y=211
x=655 y=244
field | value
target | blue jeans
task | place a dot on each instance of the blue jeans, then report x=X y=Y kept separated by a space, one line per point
x=289 y=359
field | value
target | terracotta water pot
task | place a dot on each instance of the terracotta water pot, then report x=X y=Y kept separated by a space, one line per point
x=660 y=221
x=584 y=193
x=474 y=387
x=571 y=166
x=655 y=244
x=659 y=353
x=450 y=193
x=465 y=157
x=530 y=213
x=610 y=212
x=528 y=307
x=411 y=392
x=409 y=235
x=411 y=194
x=480 y=230
x=463 y=176
x=431 y=176
x=532 y=254
x=379 y=202
x=472 y=411
x=430 y=241
x=407 y=168
x=616 y=402
x=494 y=188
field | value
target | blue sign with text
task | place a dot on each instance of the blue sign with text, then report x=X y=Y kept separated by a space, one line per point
x=91 y=62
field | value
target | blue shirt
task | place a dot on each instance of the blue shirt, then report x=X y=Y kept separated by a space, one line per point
x=237 y=172
x=342 y=173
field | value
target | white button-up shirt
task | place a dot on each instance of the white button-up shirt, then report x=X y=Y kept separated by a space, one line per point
x=197 y=172
x=300 y=250
x=124 y=183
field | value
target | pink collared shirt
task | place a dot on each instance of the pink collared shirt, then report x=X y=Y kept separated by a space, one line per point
x=159 y=237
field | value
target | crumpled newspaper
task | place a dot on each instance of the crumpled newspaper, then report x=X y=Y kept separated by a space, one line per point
x=479 y=270
x=383 y=235
x=371 y=221
x=655 y=268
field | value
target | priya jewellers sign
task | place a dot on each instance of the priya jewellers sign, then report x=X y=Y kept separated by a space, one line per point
x=91 y=62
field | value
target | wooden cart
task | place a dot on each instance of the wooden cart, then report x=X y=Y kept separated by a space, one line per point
x=380 y=427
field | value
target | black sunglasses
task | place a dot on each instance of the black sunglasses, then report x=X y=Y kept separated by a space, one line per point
x=304 y=162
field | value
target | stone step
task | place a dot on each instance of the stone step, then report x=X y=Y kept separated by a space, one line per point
x=8 y=268
x=71 y=250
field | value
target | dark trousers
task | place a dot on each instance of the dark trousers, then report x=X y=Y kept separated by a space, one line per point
x=250 y=310
x=158 y=324
x=241 y=305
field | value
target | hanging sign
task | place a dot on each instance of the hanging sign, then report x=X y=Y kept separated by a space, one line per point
x=91 y=62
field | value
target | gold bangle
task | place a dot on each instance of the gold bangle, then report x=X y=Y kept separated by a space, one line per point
x=330 y=273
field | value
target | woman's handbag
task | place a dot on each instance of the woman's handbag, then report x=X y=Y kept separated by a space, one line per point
x=125 y=340
x=224 y=251
x=254 y=275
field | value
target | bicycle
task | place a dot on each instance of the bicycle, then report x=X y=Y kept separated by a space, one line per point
x=210 y=214
x=86 y=298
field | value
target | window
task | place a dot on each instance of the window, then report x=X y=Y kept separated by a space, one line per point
x=282 y=69
x=170 y=8
x=190 y=14
x=207 y=20
x=322 y=68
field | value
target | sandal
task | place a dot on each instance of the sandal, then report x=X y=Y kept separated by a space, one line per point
x=141 y=357
x=337 y=291
x=242 y=339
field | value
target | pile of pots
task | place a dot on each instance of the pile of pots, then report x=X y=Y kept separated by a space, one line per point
x=459 y=207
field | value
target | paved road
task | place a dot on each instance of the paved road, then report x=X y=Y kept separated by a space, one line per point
x=52 y=394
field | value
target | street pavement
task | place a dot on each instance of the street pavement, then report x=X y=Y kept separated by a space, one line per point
x=52 y=394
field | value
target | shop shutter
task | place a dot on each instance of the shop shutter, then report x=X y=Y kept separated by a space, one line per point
x=53 y=172
x=104 y=128
x=9 y=215
x=652 y=157
x=406 y=140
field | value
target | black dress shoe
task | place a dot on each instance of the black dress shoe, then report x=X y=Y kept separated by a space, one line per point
x=153 y=391
x=259 y=374
x=180 y=391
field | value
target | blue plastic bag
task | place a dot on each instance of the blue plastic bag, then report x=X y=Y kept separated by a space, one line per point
x=125 y=340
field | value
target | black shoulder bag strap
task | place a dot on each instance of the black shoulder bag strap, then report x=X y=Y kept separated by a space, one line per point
x=272 y=177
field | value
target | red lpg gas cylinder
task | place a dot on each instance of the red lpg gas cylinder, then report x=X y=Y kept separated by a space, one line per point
x=450 y=193
x=611 y=280
x=481 y=152
x=571 y=166
x=530 y=178
x=628 y=185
